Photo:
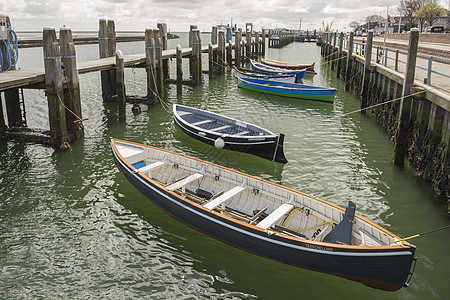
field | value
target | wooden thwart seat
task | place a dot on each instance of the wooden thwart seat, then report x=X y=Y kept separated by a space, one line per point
x=224 y=197
x=221 y=128
x=241 y=133
x=182 y=183
x=202 y=122
x=150 y=167
x=274 y=216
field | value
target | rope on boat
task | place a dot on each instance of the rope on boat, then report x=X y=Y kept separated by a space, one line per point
x=378 y=104
x=308 y=213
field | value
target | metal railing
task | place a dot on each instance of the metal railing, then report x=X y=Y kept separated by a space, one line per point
x=382 y=56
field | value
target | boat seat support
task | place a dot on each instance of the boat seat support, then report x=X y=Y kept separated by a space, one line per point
x=274 y=216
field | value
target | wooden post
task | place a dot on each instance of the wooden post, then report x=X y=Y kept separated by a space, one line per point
x=211 y=61
x=179 y=70
x=104 y=52
x=214 y=35
x=248 y=39
x=120 y=84
x=229 y=54
x=54 y=87
x=339 y=59
x=159 y=67
x=72 y=98
x=111 y=29
x=366 y=80
x=196 y=57
x=150 y=62
x=237 y=48
x=348 y=69
x=163 y=34
x=404 y=121
x=221 y=52
x=191 y=37
x=12 y=101
x=256 y=54
x=333 y=51
x=2 y=117
x=263 y=46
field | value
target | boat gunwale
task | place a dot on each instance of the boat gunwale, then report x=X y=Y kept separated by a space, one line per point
x=178 y=117
x=275 y=69
x=350 y=248
x=287 y=64
x=263 y=74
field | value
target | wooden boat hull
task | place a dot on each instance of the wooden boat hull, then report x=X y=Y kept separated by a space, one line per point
x=274 y=71
x=288 y=90
x=245 y=73
x=268 y=146
x=386 y=269
x=286 y=66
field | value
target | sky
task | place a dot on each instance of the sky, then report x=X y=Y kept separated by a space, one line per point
x=137 y=15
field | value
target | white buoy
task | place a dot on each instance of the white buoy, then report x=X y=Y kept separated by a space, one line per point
x=219 y=143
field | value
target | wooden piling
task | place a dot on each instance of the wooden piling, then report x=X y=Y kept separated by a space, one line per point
x=72 y=98
x=214 y=35
x=263 y=46
x=111 y=31
x=3 y=126
x=104 y=52
x=210 y=60
x=159 y=64
x=403 y=127
x=150 y=62
x=191 y=37
x=348 y=70
x=120 y=84
x=248 y=45
x=54 y=87
x=256 y=52
x=339 y=58
x=179 y=70
x=13 y=111
x=334 y=52
x=221 y=52
x=163 y=34
x=366 y=80
x=237 y=48
x=196 y=57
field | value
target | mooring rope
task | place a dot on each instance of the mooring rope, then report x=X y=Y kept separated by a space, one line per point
x=379 y=104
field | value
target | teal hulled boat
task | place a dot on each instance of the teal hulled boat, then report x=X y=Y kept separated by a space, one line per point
x=292 y=90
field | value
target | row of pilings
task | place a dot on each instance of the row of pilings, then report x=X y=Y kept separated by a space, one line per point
x=62 y=88
x=415 y=117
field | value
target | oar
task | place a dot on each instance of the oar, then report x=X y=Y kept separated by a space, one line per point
x=421 y=234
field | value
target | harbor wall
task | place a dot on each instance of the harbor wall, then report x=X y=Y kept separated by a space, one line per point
x=427 y=132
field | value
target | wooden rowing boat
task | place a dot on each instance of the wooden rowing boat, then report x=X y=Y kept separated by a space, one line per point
x=229 y=133
x=292 y=90
x=247 y=73
x=288 y=66
x=265 y=218
x=259 y=67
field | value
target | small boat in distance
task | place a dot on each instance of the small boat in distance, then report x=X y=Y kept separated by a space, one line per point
x=267 y=219
x=247 y=73
x=292 y=90
x=288 y=66
x=256 y=66
x=229 y=133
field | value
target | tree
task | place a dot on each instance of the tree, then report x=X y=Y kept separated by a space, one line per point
x=430 y=12
x=409 y=8
x=373 y=21
x=354 y=24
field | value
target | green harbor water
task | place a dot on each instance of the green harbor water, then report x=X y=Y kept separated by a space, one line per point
x=72 y=227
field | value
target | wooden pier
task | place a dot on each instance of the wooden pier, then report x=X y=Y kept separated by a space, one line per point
x=62 y=86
